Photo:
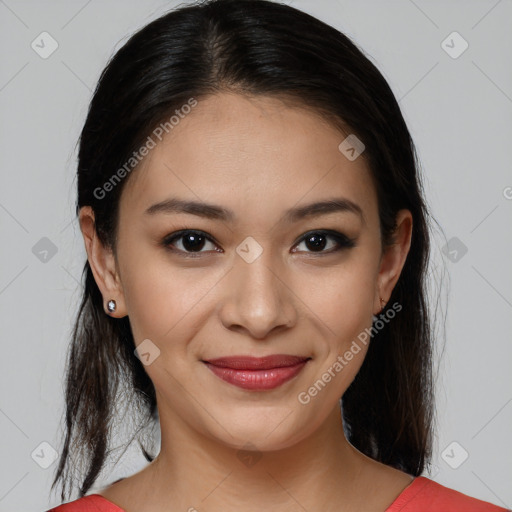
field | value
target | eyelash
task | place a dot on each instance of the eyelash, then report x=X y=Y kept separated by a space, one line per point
x=342 y=240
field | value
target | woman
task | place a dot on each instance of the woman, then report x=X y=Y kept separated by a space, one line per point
x=257 y=243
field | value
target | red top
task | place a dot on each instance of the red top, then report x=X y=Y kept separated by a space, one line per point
x=421 y=495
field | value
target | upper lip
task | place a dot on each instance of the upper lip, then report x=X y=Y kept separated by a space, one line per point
x=257 y=363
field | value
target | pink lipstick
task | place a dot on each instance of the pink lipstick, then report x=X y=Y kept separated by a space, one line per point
x=257 y=373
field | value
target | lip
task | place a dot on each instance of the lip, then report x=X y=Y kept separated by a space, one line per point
x=257 y=373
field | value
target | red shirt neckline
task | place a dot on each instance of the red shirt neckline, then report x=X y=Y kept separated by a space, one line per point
x=406 y=495
x=421 y=492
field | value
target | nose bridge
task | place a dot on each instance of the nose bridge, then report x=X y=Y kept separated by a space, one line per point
x=257 y=300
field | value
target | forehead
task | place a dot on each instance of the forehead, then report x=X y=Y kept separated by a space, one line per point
x=249 y=154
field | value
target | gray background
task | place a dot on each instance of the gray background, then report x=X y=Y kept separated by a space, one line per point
x=459 y=112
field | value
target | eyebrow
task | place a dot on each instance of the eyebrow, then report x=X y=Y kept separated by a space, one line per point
x=212 y=211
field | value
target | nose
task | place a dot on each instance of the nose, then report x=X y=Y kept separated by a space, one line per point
x=257 y=301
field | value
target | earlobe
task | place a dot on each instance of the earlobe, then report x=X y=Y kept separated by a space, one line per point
x=103 y=265
x=394 y=257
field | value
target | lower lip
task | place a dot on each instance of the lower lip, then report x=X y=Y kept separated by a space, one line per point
x=257 y=380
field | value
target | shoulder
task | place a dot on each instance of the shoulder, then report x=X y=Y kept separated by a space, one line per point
x=423 y=495
x=91 y=503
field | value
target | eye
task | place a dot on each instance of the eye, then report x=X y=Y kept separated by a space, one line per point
x=192 y=241
x=318 y=240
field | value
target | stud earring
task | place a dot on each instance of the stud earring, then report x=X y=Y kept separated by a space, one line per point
x=111 y=306
x=382 y=303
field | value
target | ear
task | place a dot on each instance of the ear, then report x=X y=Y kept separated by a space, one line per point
x=393 y=259
x=102 y=263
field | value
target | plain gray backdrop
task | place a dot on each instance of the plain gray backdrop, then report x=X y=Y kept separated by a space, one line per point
x=457 y=102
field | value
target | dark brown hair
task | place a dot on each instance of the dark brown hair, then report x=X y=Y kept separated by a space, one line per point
x=254 y=47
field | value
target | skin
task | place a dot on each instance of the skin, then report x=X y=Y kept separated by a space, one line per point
x=257 y=157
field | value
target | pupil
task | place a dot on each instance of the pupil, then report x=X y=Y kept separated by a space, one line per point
x=193 y=242
x=316 y=244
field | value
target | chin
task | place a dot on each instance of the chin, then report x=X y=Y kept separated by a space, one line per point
x=262 y=428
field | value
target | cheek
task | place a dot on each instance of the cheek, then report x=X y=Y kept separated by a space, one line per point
x=162 y=299
x=343 y=301
x=342 y=298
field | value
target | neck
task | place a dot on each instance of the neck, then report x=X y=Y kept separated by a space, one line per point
x=194 y=471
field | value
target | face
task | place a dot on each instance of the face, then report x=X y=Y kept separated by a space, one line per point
x=269 y=277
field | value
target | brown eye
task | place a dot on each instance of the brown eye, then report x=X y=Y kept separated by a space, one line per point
x=190 y=241
x=317 y=241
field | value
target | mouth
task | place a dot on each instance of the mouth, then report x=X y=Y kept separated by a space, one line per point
x=257 y=373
